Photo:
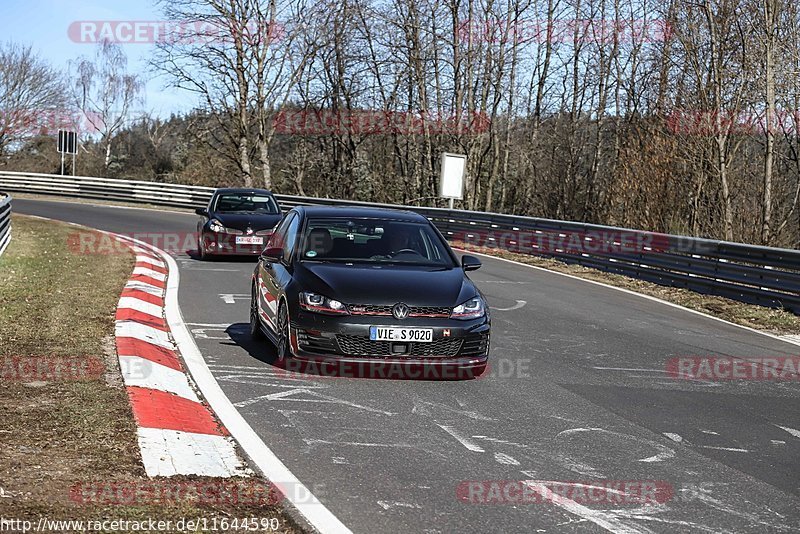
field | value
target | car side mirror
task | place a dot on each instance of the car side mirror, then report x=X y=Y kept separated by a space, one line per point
x=202 y=212
x=272 y=255
x=470 y=263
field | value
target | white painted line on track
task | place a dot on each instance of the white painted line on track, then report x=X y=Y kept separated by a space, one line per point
x=630 y=369
x=469 y=445
x=792 y=431
x=231 y=298
x=259 y=453
x=729 y=449
x=518 y=305
x=598 y=517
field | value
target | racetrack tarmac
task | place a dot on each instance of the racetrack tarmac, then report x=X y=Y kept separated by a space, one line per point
x=578 y=393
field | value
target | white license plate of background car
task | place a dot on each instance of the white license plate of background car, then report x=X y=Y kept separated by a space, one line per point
x=383 y=333
x=249 y=240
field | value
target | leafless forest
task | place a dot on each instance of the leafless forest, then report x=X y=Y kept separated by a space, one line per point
x=668 y=115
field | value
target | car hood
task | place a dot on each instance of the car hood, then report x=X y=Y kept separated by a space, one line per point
x=386 y=284
x=243 y=221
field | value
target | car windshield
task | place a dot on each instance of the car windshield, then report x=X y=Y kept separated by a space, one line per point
x=373 y=241
x=245 y=203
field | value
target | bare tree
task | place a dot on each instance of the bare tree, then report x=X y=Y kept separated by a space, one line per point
x=32 y=96
x=242 y=58
x=771 y=15
x=105 y=92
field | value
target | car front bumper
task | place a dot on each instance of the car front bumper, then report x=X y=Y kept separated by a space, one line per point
x=225 y=245
x=341 y=344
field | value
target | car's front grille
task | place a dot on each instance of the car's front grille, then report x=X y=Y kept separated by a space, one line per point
x=363 y=346
x=438 y=347
x=414 y=311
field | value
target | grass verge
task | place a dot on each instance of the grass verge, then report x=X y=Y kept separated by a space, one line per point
x=76 y=429
x=773 y=321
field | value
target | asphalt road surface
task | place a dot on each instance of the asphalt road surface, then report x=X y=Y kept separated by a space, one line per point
x=577 y=392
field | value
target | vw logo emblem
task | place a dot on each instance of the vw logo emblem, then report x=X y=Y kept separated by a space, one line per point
x=400 y=310
x=249 y=231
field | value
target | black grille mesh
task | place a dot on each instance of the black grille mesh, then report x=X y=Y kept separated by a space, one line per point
x=363 y=346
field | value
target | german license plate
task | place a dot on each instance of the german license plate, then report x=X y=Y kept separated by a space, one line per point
x=249 y=240
x=386 y=333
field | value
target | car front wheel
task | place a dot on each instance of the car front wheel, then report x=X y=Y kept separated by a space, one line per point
x=284 y=350
x=255 y=322
x=201 y=250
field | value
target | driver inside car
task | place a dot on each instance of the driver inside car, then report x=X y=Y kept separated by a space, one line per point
x=396 y=239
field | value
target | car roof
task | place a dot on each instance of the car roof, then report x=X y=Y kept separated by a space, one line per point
x=242 y=190
x=362 y=212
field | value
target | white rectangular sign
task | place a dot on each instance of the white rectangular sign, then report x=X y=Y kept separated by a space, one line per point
x=454 y=167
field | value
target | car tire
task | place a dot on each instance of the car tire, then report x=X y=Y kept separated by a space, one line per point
x=255 y=322
x=284 y=349
x=201 y=250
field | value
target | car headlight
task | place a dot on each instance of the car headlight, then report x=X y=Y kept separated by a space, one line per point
x=218 y=228
x=471 y=309
x=215 y=226
x=319 y=304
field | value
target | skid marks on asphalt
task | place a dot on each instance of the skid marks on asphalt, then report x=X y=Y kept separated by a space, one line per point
x=320 y=416
x=564 y=451
x=293 y=388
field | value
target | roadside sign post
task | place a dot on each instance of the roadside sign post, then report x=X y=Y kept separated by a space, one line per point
x=451 y=184
x=67 y=144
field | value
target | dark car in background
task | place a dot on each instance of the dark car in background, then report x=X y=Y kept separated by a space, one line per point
x=344 y=284
x=236 y=222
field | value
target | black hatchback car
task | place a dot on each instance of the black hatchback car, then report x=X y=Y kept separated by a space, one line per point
x=346 y=286
x=236 y=222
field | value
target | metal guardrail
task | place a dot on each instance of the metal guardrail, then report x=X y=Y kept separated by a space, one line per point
x=747 y=273
x=5 y=221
